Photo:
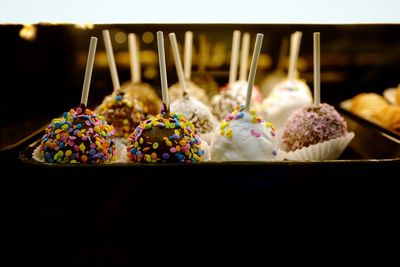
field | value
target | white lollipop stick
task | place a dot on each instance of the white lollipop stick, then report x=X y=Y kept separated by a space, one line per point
x=234 y=57
x=134 y=56
x=163 y=69
x=253 y=68
x=244 y=56
x=187 y=63
x=282 y=54
x=203 y=52
x=88 y=71
x=111 y=60
x=178 y=62
x=317 y=74
x=295 y=41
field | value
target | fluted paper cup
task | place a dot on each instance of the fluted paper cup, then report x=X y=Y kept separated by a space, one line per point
x=328 y=150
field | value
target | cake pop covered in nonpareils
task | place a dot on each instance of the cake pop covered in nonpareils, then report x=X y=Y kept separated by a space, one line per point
x=167 y=137
x=135 y=89
x=122 y=112
x=79 y=136
x=143 y=93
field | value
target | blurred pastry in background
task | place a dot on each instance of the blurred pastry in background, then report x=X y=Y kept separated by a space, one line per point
x=375 y=108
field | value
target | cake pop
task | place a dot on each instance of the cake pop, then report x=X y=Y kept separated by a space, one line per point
x=316 y=132
x=234 y=93
x=242 y=135
x=189 y=107
x=80 y=135
x=312 y=125
x=175 y=91
x=289 y=95
x=167 y=137
x=202 y=78
x=136 y=89
x=279 y=74
x=122 y=112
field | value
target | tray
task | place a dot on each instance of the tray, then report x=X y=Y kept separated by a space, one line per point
x=244 y=213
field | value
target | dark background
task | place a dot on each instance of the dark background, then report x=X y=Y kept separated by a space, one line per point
x=313 y=214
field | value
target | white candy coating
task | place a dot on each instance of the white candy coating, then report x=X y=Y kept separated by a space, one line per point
x=243 y=136
x=284 y=99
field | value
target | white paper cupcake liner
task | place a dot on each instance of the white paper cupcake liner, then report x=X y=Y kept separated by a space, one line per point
x=207 y=153
x=36 y=154
x=328 y=150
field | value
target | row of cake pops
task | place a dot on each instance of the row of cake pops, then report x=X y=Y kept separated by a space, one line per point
x=83 y=136
x=136 y=100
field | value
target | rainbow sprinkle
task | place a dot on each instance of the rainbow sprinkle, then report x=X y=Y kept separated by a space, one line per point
x=237 y=114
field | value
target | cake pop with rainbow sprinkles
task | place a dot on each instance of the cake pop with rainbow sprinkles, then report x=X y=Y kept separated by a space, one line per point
x=167 y=137
x=80 y=135
x=123 y=112
x=242 y=135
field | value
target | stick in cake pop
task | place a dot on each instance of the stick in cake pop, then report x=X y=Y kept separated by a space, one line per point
x=289 y=95
x=279 y=74
x=244 y=56
x=167 y=137
x=202 y=78
x=80 y=135
x=316 y=132
x=134 y=58
x=242 y=135
x=135 y=89
x=234 y=57
x=188 y=55
x=122 y=112
x=163 y=70
x=317 y=73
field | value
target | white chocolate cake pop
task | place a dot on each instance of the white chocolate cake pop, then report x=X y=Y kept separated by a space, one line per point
x=287 y=97
x=242 y=135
